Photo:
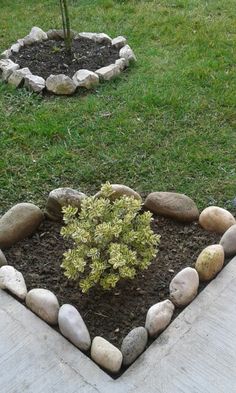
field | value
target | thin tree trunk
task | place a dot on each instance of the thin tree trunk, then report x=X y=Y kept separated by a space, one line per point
x=67 y=26
x=63 y=18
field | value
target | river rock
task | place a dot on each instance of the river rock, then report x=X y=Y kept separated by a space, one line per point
x=60 y=84
x=184 y=286
x=228 y=241
x=13 y=281
x=119 y=42
x=119 y=190
x=209 y=262
x=173 y=205
x=106 y=355
x=7 y=67
x=108 y=72
x=3 y=260
x=127 y=53
x=34 y=83
x=85 y=78
x=73 y=327
x=100 y=38
x=19 y=222
x=18 y=76
x=62 y=197
x=43 y=303
x=216 y=219
x=134 y=344
x=158 y=317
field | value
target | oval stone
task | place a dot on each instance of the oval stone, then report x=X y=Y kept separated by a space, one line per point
x=216 y=219
x=3 y=260
x=209 y=262
x=73 y=327
x=20 y=221
x=158 y=317
x=60 y=84
x=12 y=280
x=43 y=303
x=173 y=205
x=62 y=197
x=184 y=286
x=106 y=355
x=134 y=344
x=119 y=190
x=228 y=241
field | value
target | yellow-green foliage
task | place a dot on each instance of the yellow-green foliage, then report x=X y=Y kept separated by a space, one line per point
x=112 y=240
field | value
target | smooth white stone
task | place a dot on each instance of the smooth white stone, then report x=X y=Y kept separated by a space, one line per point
x=43 y=303
x=209 y=262
x=18 y=76
x=108 y=72
x=106 y=355
x=216 y=219
x=97 y=37
x=60 y=84
x=72 y=326
x=228 y=241
x=119 y=42
x=85 y=78
x=158 y=317
x=12 y=280
x=34 y=83
x=184 y=286
x=127 y=53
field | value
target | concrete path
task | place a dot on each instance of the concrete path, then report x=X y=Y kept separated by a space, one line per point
x=196 y=354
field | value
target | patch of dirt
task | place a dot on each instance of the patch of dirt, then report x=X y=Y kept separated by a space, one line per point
x=50 y=57
x=110 y=314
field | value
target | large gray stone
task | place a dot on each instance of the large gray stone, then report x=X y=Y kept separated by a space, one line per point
x=12 y=280
x=7 y=67
x=85 y=78
x=109 y=72
x=228 y=241
x=158 y=317
x=34 y=83
x=36 y=35
x=19 y=222
x=216 y=219
x=60 y=84
x=170 y=204
x=100 y=38
x=134 y=344
x=127 y=53
x=106 y=355
x=62 y=197
x=43 y=303
x=119 y=42
x=72 y=326
x=184 y=287
x=18 y=76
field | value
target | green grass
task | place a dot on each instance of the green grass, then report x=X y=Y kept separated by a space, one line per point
x=167 y=124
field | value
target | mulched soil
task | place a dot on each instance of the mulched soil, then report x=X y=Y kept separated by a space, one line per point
x=49 y=57
x=114 y=313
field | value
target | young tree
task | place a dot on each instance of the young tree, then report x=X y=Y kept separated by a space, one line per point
x=66 y=24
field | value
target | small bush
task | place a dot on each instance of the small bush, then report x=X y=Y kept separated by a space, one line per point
x=112 y=240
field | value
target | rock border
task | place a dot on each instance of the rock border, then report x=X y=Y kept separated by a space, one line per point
x=61 y=84
x=183 y=286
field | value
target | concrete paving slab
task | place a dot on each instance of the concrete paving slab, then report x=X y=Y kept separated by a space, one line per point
x=195 y=354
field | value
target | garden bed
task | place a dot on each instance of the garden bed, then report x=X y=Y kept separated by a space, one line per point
x=114 y=313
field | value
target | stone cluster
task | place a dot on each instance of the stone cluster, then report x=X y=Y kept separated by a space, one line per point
x=24 y=218
x=62 y=84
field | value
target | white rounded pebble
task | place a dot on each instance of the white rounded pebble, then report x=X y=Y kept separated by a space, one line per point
x=216 y=219
x=184 y=287
x=106 y=355
x=72 y=326
x=158 y=317
x=13 y=281
x=43 y=303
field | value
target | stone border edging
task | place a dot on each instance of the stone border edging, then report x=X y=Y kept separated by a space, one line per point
x=61 y=84
x=183 y=289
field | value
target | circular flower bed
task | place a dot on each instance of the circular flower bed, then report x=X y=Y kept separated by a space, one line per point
x=40 y=62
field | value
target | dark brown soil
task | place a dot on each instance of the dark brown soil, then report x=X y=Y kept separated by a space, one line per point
x=49 y=57
x=110 y=314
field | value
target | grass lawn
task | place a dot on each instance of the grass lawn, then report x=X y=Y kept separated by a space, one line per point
x=167 y=124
